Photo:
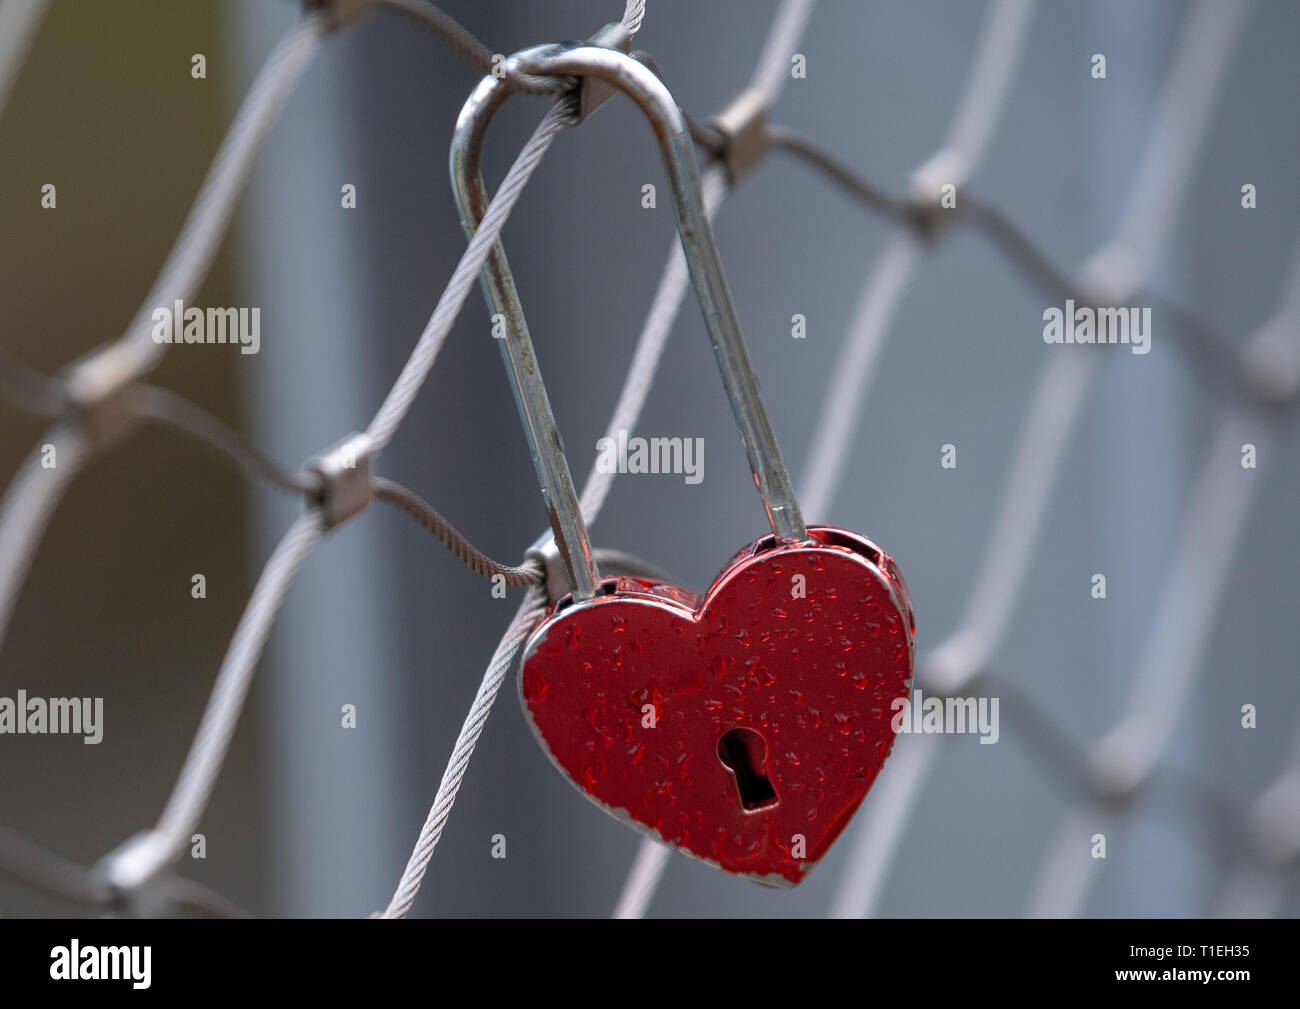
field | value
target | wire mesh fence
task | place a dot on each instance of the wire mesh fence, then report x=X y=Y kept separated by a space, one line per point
x=95 y=404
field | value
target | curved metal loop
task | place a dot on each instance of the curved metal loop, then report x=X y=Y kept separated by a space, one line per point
x=626 y=74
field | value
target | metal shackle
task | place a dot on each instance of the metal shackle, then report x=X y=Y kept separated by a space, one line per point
x=771 y=477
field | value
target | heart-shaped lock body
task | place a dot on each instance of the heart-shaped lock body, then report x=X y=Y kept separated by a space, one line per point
x=743 y=728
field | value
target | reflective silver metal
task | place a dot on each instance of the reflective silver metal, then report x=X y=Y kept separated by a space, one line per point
x=744 y=125
x=344 y=471
x=97 y=387
x=135 y=861
x=638 y=82
x=595 y=92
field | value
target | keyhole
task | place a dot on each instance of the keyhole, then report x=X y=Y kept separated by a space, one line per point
x=743 y=752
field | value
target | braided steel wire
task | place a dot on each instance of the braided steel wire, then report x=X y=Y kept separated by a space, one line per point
x=1264 y=376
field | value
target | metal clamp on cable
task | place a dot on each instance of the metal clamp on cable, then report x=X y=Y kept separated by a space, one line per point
x=96 y=387
x=339 y=12
x=547 y=553
x=344 y=471
x=1275 y=822
x=595 y=92
x=132 y=870
x=1270 y=363
x=1120 y=763
x=743 y=125
x=929 y=187
x=1104 y=278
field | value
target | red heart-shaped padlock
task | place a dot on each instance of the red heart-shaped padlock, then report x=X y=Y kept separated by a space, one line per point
x=743 y=728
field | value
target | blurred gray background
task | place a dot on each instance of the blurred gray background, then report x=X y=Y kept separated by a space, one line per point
x=309 y=819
